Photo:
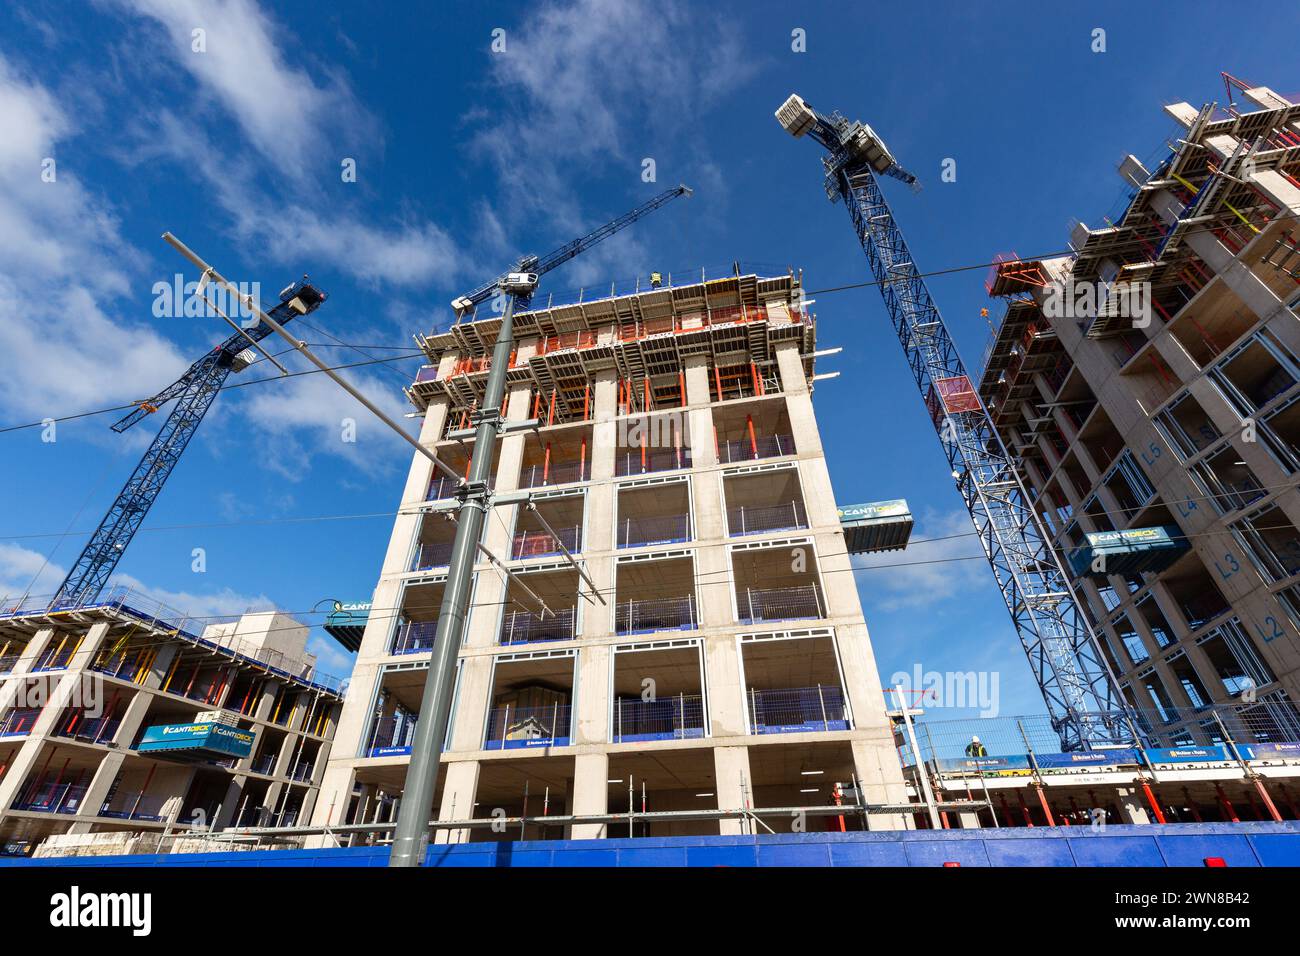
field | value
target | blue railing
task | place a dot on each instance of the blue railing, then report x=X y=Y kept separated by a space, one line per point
x=765 y=446
x=429 y=556
x=634 y=462
x=556 y=473
x=536 y=544
x=525 y=627
x=264 y=764
x=415 y=637
x=640 y=532
x=392 y=736
x=794 y=710
x=799 y=603
x=745 y=520
x=523 y=727
x=134 y=806
x=18 y=722
x=52 y=797
x=664 y=718
x=660 y=614
x=96 y=730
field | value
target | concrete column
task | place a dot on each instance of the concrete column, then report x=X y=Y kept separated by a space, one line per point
x=473 y=698
x=137 y=708
x=732 y=786
x=604 y=432
x=10 y=683
x=593 y=695
x=590 y=793
x=97 y=790
x=595 y=617
x=798 y=399
x=714 y=586
x=1131 y=808
x=460 y=784
x=707 y=505
x=230 y=803
x=335 y=795
x=726 y=690
x=699 y=417
x=875 y=761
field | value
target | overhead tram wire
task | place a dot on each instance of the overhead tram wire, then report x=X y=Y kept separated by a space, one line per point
x=416 y=353
x=611 y=591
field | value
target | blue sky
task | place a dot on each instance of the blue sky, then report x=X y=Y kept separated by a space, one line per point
x=466 y=157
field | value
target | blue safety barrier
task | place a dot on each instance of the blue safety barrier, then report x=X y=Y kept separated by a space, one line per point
x=1170 y=845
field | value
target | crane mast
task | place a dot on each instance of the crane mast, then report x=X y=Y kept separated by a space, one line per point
x=1078 y=687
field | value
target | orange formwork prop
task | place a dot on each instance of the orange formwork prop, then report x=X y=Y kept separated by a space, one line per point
x=1269 y=805
x=1225 y=804
x=1024 y=809
x=1153 y=803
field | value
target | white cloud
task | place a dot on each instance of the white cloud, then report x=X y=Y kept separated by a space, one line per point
x=280 y=107
x=27 y=571
x=291 y=221
x=596 y=85
x=926 y=573
x=24 y=571
x=204 y=608
x=294 y=122
x=63 y=266
x=313 y=406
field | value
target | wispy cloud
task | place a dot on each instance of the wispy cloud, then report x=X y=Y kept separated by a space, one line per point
x=312 y=412
x=26 y=571
x=594 y=86
x=251 y=72
x=929 y=571
x=234 y=50
x=64 y=268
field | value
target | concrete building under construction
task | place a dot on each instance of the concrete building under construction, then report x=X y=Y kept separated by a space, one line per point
x=720 y=666
x=1150 y=386
x=123 y=723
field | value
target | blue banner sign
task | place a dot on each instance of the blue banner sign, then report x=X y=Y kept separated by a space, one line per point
x=1089 y=758
x=1289 y=751
x=211 y=739
x=1016 y=762
x=1188 y=754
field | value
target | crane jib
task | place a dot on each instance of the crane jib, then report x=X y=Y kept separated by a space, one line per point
x=194 y=392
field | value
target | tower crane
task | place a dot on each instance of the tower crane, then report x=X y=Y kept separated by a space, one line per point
x=531 y=268
x=194 y=393
x=412 y=828
x=1081 y=693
